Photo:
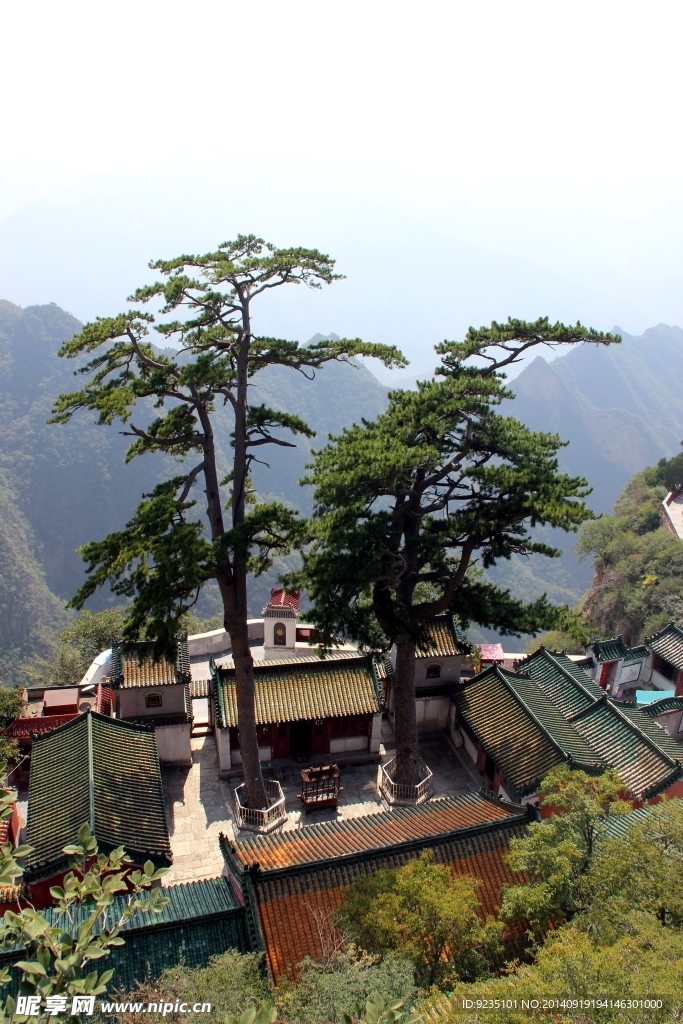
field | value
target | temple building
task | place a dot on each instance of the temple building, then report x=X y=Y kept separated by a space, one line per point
x=289 y=881
x=645 y=757
x=667 y=659
x=101 y=771
x=305 y=706
x=155 y=692
x=515 y=735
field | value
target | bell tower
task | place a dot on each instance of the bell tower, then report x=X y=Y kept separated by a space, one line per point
x=279 y=623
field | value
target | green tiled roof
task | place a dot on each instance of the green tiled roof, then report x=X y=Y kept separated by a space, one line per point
x=567 y=686
x=668 y=644
x=660 y=707
x=617 y=825
x=102 y=771
x=609 y=650
x=624 y=736
x=201 y=920
x=521 y=730
x=302 y=688
x=443 y=638
x=133 y=665
x=636 y=654
x=654 y=732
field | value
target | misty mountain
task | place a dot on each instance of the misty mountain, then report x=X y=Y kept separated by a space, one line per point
x=620 y=408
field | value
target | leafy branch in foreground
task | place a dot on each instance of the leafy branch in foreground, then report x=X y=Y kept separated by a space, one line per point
x=60 y=956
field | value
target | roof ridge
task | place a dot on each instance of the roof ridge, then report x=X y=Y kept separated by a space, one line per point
x=671 y=625
x=558 y=746
x=543 y=650
x=677 y=763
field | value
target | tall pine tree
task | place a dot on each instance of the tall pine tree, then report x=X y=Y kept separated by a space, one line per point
x=162 y=558
x=440 y=485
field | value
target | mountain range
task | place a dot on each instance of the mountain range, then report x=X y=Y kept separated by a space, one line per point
x=620 y=408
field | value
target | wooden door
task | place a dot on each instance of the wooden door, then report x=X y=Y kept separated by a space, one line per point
x=281 y=740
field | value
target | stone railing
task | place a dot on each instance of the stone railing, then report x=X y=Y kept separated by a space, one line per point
x=261 y=820
x=401 y=795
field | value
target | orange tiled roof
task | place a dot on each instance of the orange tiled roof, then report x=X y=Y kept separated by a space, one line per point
x=373 y=832
x=302 y=876
x=281 y=598
x=25 y=728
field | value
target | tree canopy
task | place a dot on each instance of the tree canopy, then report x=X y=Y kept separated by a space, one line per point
x=441 y=484
x=165 y=554
x=428 y=915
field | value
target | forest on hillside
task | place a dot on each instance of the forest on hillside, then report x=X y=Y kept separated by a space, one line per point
x=61 y=486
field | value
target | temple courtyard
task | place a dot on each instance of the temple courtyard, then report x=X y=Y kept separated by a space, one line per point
x=200 y=805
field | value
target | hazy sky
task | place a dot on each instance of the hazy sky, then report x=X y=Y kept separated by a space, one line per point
x=548 y=131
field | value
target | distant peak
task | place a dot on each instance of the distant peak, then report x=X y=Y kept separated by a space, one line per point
x=323 y=337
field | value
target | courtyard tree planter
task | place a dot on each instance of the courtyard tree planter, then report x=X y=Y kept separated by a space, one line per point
x=405 y=796
x=261 y=820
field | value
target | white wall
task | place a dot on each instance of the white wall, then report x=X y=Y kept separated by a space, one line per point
x=132 y=702
x=279 y=616
x=660 y=683
x=342 y=744
x=432 y=713
x=173 y=744
x=450 y=670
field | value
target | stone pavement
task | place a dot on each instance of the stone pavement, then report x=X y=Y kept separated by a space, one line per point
x=199 y=805
x=361 y=797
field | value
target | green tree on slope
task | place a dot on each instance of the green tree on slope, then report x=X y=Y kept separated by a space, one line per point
x=406 y=506
x=638 y=562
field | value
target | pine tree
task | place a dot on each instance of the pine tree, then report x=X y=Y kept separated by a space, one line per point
x=441 y=484
x=163 y=557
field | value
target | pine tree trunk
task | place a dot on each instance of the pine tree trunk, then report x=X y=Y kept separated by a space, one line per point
x=235 y=621
x=405 y=717
x=246 y=716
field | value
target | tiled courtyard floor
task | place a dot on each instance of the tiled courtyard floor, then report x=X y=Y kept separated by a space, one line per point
x=199 y=805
